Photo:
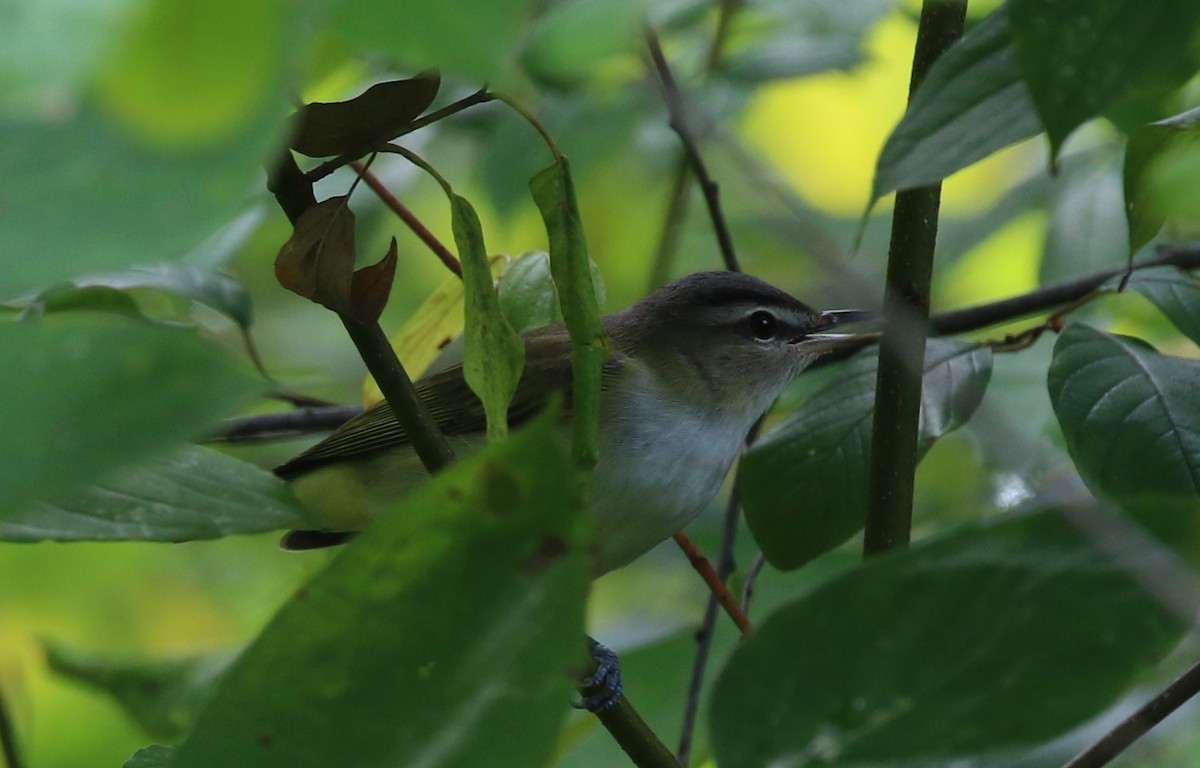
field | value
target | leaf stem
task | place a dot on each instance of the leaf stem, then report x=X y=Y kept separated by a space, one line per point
x=906 y=308
x=408 y=217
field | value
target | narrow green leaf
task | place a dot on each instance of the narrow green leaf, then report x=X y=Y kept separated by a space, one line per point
x=162 y=696
x=1146 y=147
x=1176 y=294
x=1130 y=416
x=804 y=485
x=494 y=355
x=972 y=103
x=554 y=193
x=1079 y=57
x=86 y=396
x=426 y=638
x=194 y=493
x=995 y=638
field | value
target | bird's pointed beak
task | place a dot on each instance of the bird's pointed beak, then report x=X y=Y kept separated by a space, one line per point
x=861 y=326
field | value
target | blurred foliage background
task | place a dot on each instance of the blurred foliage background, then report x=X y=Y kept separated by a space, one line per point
x=131 y=131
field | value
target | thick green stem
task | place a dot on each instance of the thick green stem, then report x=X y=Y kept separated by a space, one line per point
x=400 y=393
x=894 y=449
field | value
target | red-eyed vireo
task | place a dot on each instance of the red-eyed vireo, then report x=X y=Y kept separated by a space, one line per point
x=691 y=368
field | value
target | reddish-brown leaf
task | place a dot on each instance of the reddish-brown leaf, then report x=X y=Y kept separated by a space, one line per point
x=317 y=261
x=378 y=114
x=371 y=286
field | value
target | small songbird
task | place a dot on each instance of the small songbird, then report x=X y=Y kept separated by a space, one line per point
x=691 y=368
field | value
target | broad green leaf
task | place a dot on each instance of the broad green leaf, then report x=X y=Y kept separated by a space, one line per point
x=153 y=756
x=427 y=637
x=478 y=42
x=972 y=103
x=1079 y=57
x=1176 y=294
x=1086 y=231
x=527 y=293
x=194 y=493
x=786 y=39
x=995 y=638
x=554 y=193
x=804 y=485
x=86 y=396
x=1130 y=416
x=494 y=355
x=1146 y=146
x=568 y=42
x=152 y=134
x=110 y=292
x=162 y=696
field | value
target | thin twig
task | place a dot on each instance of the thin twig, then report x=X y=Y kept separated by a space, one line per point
x=409 y=218
x=677 y=203
x=894 y=449
x=678 y=121
x=706 y=632
x=715 y=585
x=1051 y=296
x=278 y=426
x=752 y=574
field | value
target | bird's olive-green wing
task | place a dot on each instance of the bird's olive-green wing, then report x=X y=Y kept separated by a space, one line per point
x=453 y=405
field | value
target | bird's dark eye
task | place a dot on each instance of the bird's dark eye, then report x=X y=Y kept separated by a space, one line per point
x=763 y=325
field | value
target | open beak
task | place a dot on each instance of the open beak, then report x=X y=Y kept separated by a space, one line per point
x=821 y=342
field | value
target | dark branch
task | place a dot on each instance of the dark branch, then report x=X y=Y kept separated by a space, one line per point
x=894 y=449
x=679 y=124
x=1150 y=714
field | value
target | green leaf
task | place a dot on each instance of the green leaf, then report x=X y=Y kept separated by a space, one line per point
x=427 y=637
x=972 y=103
x=195 y=493
x=1148 y=147
x=153 y=756
x=571 y=39
x=478 y=42
x=804 y=485
x=163 y=697
x=1130 y=416
x=152 y=140
x=1176 y=294
x=86 y=396
x=1079 y=57
x=527 y=293
x=775 y=40
x=494 y=355
x=1086 y=231
x=994 y=638
x=554 y=193
x=109 y=292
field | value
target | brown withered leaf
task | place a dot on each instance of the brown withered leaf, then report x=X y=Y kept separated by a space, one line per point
x=378 y=114
x=371 y=286
x=317 y=261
